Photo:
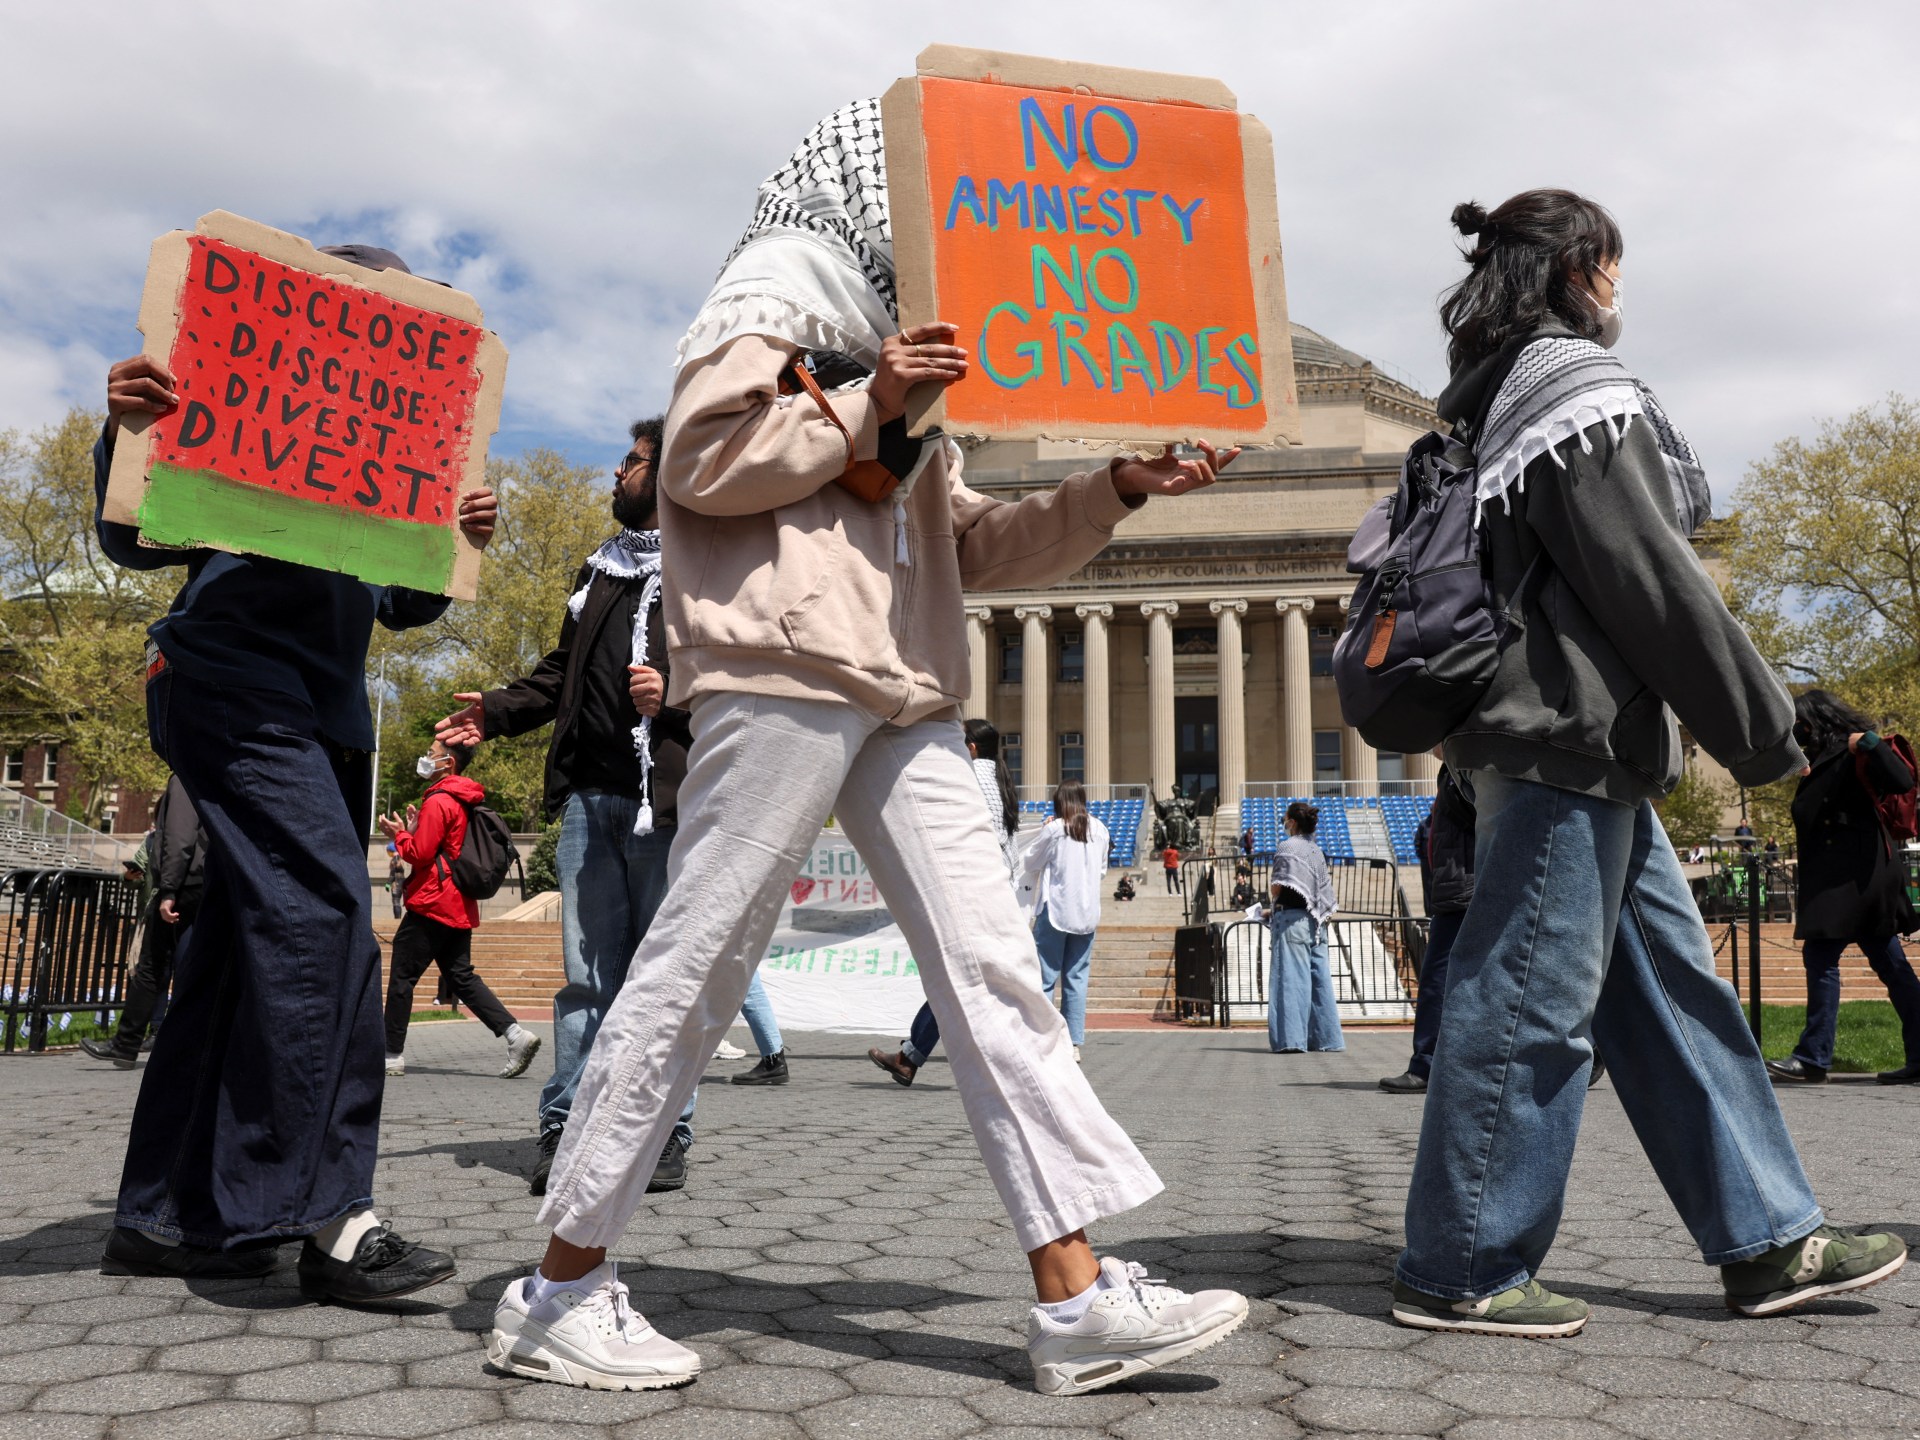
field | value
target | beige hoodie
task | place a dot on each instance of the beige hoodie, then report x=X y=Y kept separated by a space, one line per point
x=780 y=582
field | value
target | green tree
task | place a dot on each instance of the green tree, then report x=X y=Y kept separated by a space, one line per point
x=1692 y=812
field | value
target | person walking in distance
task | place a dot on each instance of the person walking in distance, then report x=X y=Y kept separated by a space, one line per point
x=1302 y=1011
x=1003 y=811
x=1444 y=846
x=440 y=920
x=615 y=764
x=818 y=644
x=258 y=1120
x=1582 y=931
x=1852 y=882
x=1061 y=873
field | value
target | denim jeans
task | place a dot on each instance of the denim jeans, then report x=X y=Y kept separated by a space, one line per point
x=259 y=1112
x=611 y=884
x=1302 y=1013
x=922 y=1037
x=1889 y=962
x=1582 y=931
x=1427 y=1006
x=765 y=773
x=1065 y=960
x=757 y=1011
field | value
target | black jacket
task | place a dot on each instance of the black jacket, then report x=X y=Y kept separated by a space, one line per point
x=1444 y=843
x=178 y=850
x=1853 y=883
x=1617 y=620
x=552 y=694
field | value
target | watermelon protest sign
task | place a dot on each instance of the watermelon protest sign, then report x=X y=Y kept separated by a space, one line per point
x=328 y=414
x=1107 y=242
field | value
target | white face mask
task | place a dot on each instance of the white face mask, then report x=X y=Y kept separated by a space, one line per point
x=426 y=767
x=1609 y=317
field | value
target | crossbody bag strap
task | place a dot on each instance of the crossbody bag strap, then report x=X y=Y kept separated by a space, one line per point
x=812 y=387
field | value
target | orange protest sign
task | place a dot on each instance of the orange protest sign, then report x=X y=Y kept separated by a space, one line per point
x=1107 y=242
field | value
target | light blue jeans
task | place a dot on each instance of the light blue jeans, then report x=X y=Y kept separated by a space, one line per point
x=757 y=1011
x=1065 y=960
x=1302 y=1013
x=1582 y=932
x=611 y=883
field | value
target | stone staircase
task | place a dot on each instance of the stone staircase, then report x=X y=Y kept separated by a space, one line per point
x=1368 y=832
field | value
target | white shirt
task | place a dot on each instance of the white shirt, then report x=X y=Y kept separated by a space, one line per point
x=1063 y=876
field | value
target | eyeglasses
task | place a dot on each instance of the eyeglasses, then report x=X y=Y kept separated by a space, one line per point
x=633 y=460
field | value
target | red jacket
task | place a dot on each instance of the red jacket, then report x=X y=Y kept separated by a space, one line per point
x=439 y=831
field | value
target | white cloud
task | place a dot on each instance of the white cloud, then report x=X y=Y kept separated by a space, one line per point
x=583 y=167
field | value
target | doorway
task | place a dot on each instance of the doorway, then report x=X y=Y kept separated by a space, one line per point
x=1196 y=756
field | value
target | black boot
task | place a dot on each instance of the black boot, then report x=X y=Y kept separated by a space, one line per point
x=671 y=1172
x=1795 y=1069
x=543 y=1167
x=772 y=1070
x=107 y=1050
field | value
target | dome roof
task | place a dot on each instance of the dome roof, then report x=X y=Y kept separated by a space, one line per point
x=1310 y=347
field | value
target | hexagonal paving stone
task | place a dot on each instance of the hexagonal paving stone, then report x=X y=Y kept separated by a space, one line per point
x=126 y=1394
x=317 y=1381
x=936 y=1419
x=1408 y=1412
x=404 y=1413
x=236 y=1355
x=226 y=1420
x=1695 y=1419
x=1516 y=1394
x=1196 y=1422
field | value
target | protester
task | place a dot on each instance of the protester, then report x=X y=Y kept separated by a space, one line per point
x=764 y=1026
x=1853 y=881
x=615 y=764
x=174 y=877
x=1061 y=873
x=1582 y=928
x=1003 y=810
x=441 y=918
x=1302 y=1012
x=1444 y=846
x=269 y=1065
x=1124 y=890
x=818 y=642
x=1170 y=861
x=1244 y=894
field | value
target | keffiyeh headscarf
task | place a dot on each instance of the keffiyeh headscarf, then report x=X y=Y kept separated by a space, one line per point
x=631 y=555
x=815 y=265
x=1561 y=386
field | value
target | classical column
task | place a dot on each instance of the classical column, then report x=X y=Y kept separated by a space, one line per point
x=1036 y=744
x=1296 y=692
x=1362 y=760
x=1424 y=766
x=1161 y=760
x=1098 y=690
x=1233 y=700
x=979 y=662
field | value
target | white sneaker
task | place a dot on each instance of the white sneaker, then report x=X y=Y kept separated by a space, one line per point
x=396 y=1064
x=729 y=1051
x=587 y=1334
x=1076 y=1054
x=520 y=1054
x=1134 y=1324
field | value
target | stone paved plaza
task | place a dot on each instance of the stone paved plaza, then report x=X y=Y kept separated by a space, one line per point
x=840 y=1261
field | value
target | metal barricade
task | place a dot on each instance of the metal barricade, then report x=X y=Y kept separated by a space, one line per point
x=1375 y=965
x=68 y=937
x=1362 y=886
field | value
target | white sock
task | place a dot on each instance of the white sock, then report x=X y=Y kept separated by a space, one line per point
x=1067 y=1311
x=539 y=1289
x=343 y=1236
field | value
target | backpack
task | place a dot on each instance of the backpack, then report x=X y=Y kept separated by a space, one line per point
x=1423 y=639
x=1899 y=814
x=487 y=853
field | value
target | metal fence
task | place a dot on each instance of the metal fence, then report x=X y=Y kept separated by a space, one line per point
x=1375 y=965
x=1362 y=885
x=68 y=934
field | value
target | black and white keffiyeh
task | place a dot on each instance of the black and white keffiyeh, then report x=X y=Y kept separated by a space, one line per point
x=815 y=265
x=1558 y=389
x=632 y=555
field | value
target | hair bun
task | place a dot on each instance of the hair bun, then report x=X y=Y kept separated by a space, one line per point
x=1469 y=218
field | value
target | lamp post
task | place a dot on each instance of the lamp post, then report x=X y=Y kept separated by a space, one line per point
x=379 y=717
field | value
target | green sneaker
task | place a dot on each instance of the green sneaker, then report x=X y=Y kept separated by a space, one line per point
x=1830 y=1261
x=1529 y=1309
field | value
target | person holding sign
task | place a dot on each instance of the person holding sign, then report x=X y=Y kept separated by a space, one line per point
x=258 y=1118
x=814 y=614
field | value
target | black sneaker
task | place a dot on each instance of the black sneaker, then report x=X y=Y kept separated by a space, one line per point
x=107 y=1050
x=549 y=1142
x=1795 y=1069
x=384 y=1267
x=772 y=1070
x=671 y=1172
x=129 y=1252
x=1598 y=1073
x=1407 y=1084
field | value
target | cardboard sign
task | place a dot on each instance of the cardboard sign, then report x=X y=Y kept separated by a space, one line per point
x=329 y=414
x=1107 y=242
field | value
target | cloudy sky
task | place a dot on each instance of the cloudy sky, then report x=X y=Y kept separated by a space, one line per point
x=583 y=167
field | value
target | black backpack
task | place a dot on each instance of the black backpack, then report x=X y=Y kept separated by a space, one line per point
x=487 y=854
x=1422 y=638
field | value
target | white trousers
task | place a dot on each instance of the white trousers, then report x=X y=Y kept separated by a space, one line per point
x=765 y=775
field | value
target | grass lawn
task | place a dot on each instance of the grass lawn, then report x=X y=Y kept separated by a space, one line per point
x=66 y=1029
x=1868 y=1037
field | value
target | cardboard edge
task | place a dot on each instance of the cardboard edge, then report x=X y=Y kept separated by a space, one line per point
x=910 y=206
x=490 y=359
x=1269 y=281
x=158 y=323
x=1034 y=72
x=302 y=254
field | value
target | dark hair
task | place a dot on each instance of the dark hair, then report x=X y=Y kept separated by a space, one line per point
x=1527 y=257
x=1305 y=818
x=1070 y=804
x=461 y=755
x=985 y=741
x=654 y=429
x=1828 y=721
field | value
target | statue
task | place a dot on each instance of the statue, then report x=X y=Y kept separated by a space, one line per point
x=1175 y=823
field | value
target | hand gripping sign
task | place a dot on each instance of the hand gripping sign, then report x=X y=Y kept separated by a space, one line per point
x=1107 y=242
x=329 y=414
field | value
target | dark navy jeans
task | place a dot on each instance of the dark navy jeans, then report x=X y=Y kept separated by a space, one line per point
x=1444 y=930
x=259 y=1112
x=1822 y=961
